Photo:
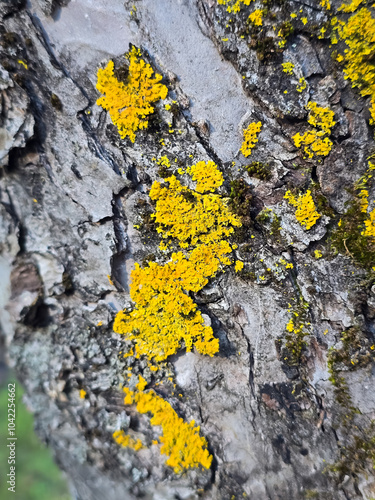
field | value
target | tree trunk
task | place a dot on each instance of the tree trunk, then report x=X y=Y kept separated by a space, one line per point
x=286 y=404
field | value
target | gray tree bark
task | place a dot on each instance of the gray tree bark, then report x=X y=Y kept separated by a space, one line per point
x=71 y=192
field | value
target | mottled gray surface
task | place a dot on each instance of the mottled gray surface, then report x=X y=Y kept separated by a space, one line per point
x=169 y=30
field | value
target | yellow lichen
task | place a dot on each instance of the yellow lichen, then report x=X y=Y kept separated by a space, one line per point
x=22 y=63
x=125 y=440
x=207 y=176
x=306 y=213
x=326 y=4
x=238 y=266
x=129 y=104
x=165 y=317
x=370 y=225
x=234 y=6
x=363 y=200
x=320 y=117
x=302 y=84
x=351 y=7
x=288 y=68
x=180 y=440
x=193 y=217
x=359 y=34
x=82 y=393
x=318 y=254
x=256 y=17
x=164 y=161
x=316 y=141
x=250 y=138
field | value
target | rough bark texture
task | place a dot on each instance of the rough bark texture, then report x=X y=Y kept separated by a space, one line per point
x=71 y=192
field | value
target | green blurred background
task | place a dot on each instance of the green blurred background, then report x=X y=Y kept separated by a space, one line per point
x=37 y=476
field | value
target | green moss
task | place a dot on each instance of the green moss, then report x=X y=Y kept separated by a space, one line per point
x=247 y=275
x=9 y=39
x=259 y=170
x=348 y=239
x=121 y=73
x=265 y=216
x=355 y=351
x=164 y=172
x=310 y=494
x=151 y=257
x=56 y=102
x=240 y=200
x=285 y=29
x=294 y=342
x=265 y=48
x=271 y=227
x=357 y=454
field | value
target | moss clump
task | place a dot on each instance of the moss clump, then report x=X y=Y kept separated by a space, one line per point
x=121 y=73
x=321 y=202
x=357 y=455
x=151 y=257
x=348 y=238
x=56 y=102
x=164 y=172
x=259 y=170
x=286 y=29
x=270 y=223
x=355 y=232
x=265 y=48
x=240 y=200
x=356 y=351
x=296 y=333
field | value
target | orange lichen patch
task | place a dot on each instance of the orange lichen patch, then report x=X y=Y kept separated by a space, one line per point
x=250 y=138
x=207 y=176
x=180 y=440
x=316 y=141
x=130 y=103
x=306 y=213
x=125 y=440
